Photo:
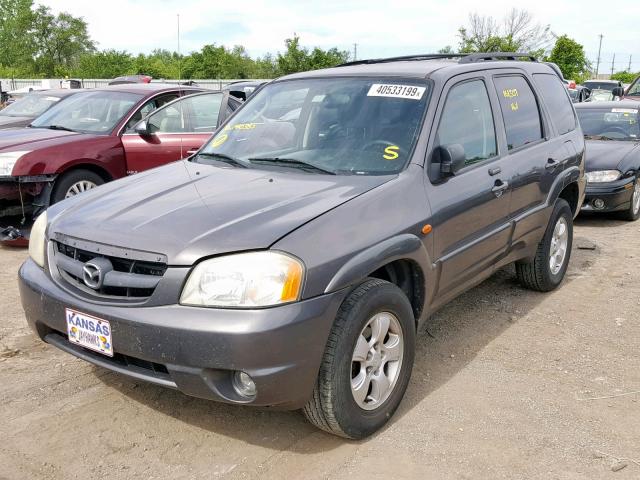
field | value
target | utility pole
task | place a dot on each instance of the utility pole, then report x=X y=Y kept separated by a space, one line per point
x=598 y=62
x=355 y=51
x=613 y=62
x=629 y=69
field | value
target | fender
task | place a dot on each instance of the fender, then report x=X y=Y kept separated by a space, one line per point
x=405 y=246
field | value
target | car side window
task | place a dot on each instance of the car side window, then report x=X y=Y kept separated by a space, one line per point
x=467 y=119
x=171 y=119
x=204 y=111
x=520 y=110
x=149 y=107
x=554 y=95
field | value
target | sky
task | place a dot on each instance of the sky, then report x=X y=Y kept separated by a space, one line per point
x=379 y=28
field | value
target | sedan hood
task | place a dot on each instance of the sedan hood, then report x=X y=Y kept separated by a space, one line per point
x=14 y=122
x=610 y=154
x=35 y=138
x=187 y=211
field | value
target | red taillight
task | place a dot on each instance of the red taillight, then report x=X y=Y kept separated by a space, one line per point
x=146 y=79
x=572 y=84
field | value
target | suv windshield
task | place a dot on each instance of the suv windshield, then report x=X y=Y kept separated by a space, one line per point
x=634 y=89
x=89 y=112
x=337 y=126
x=609 y=123
x=593 y=85
x=30 y=106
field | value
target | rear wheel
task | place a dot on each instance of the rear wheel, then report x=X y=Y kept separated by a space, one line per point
x=633 y=212
x=367 y=363
x=547 y=268
x=74 y=183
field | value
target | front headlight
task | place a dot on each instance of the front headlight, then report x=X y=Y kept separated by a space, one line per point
x=254 y=279
x=8 y=161
x=37 y=242
x=600 y=176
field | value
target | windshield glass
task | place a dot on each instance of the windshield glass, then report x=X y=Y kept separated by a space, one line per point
x=593 y=85
x=338 y=125
x=634 y=90
x=89 y=112
x=30 y=106
x=609 y=123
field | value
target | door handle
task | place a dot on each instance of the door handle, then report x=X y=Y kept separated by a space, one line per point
x=495 y=171
x=499 y=188
x=551 y=163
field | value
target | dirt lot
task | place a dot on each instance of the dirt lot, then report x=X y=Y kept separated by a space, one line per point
x=507 y=384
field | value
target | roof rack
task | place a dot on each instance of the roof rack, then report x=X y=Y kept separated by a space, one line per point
x=427 y=56
x=463 y=58
x=483 y=57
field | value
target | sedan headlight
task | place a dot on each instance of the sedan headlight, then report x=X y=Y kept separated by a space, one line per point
x=37 y=242
x=8 y=161
x=600 y=176
x=254 y=279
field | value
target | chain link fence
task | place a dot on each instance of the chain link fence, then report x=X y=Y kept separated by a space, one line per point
x=11 y=84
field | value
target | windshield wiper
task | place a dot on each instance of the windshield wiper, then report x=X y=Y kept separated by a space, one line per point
x=223 y=158
x=59 y=127
x=291 y=162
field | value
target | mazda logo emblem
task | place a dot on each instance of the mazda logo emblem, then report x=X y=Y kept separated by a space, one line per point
x=94 y=272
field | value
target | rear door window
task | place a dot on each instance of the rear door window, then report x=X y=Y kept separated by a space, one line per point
x=554 y=94
x=520 y=111
x=467 y=119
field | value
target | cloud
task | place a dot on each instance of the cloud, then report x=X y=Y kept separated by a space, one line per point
x=378 y=27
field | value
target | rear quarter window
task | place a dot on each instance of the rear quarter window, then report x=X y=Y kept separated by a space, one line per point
x=554 y=95
x=519 y=111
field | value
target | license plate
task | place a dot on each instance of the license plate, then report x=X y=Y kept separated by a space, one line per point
x=89 y=332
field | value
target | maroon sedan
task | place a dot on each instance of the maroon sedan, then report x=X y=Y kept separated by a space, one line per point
x=100 y=135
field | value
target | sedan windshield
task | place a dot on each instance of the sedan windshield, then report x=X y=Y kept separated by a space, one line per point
x=89 y=112
x=609 y=123
x=325 y=126
x=634 y=90
x=30 y=106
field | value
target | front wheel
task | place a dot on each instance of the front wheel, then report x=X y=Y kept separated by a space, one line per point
x=545 y=271
x=633 y=212
x=367 y=362
x=74 y=182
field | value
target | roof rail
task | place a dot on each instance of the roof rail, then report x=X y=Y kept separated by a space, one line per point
x=427 y=56
x=483 y=57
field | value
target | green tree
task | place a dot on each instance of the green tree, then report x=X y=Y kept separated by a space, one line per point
x=569 y=56
x=448 y=49
x=298 y=59
x=625 y=77
x=517 y=32
x=16 y=44
x=60 y=42
x=104 y=64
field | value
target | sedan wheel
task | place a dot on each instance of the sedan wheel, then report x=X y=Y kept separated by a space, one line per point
x=79 y=187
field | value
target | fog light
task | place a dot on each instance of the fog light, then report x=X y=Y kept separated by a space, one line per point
x=244 y=384
x=598 y=203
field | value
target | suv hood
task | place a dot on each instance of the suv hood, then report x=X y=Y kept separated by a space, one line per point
x=610 y=154
x=187 y=211
x=36 y=138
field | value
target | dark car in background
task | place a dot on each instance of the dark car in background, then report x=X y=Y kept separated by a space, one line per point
x=291 y=261
x=612 y=135
x=23 y=111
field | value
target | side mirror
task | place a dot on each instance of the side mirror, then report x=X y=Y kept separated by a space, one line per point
x=452 y=159
x=142 y=128
x=618 y=92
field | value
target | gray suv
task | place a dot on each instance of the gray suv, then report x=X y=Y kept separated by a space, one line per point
x=290 y=261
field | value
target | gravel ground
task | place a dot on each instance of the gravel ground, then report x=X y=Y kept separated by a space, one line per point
x=507 y=384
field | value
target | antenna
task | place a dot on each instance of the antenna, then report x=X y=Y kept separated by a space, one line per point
x=599 y=50
x=180 y=92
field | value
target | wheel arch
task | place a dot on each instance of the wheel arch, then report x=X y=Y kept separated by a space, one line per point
x=402 y=260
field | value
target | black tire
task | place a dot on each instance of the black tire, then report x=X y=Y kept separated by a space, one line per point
x=536 y=273
x=630 y=214
x=68 y=179
x=333 y=407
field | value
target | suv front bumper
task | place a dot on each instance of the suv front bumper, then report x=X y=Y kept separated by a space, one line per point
x=196 y=350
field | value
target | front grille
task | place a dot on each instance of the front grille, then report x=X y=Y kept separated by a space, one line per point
x=134 y=279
